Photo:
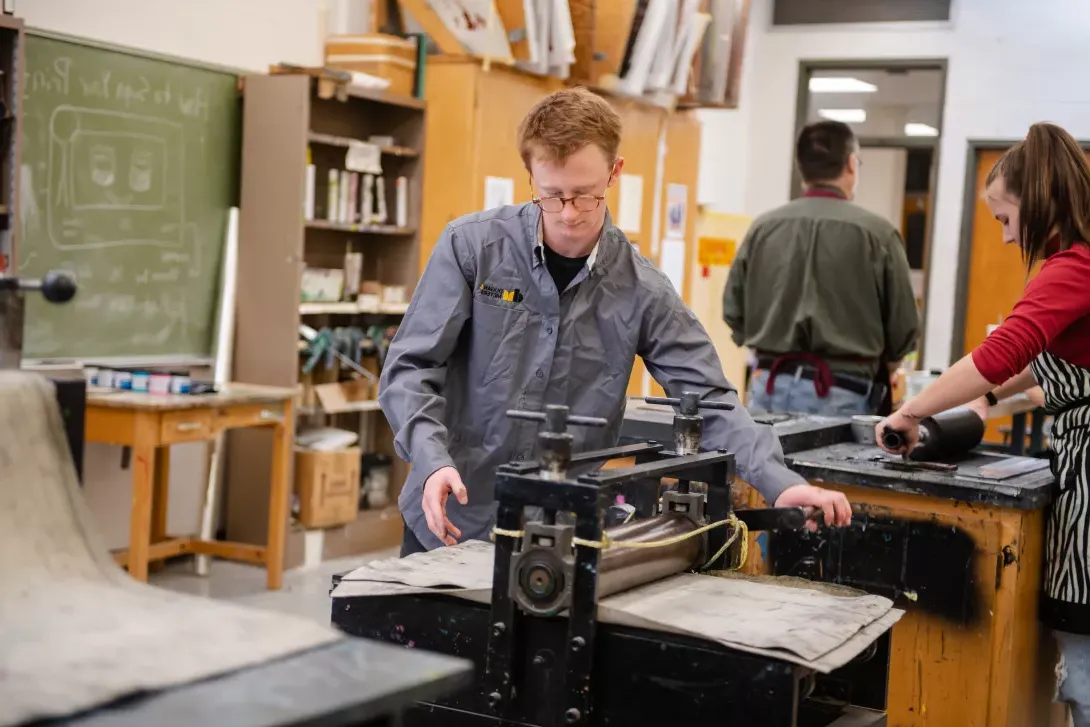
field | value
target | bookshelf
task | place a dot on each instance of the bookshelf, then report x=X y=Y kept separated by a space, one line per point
x=287 y=125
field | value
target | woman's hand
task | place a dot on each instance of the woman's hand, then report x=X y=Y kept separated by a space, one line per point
x=981 y=407
x=908 y=427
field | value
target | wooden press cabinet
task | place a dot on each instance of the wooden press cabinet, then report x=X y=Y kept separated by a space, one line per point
x=996 y=669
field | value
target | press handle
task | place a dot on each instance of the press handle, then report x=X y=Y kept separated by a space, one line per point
x=689 y=403
x=557 y=419
x=56 y=286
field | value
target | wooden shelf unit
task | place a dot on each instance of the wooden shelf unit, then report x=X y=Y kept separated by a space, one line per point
x=283 y=116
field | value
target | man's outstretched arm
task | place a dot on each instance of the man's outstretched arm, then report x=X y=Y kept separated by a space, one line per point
x=680 y=355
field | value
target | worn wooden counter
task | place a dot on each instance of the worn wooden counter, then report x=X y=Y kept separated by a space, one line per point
x=150 y=424
x=961 y=553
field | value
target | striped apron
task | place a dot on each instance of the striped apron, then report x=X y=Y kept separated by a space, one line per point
x=1065 y=603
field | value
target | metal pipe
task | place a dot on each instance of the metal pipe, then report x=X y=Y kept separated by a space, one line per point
x=622 y=568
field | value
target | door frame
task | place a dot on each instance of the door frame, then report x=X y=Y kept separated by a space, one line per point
x=806 y=69
x=975 y=147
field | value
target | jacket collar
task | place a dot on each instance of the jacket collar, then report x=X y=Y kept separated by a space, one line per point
x=535 y=230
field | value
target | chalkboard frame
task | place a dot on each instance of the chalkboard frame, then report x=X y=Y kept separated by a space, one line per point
x=180 y=360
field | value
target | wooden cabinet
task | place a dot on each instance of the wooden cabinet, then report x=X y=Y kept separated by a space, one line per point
x=969 y=650
x=284 y=117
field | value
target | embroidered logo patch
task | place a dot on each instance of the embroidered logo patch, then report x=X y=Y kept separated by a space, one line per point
x=509 y=296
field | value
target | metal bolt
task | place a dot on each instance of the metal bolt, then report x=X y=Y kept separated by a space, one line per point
x=578 y=643
x=498 y=628
x=572 y=715
x=494 y=699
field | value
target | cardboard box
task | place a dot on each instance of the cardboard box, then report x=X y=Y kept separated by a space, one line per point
x=347 y=396
x=376 y=54
x=328 y=486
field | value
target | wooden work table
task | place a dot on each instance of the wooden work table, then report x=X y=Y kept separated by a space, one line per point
x=150 y=424
x=961 y=553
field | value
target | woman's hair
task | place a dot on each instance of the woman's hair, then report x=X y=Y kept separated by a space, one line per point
x=1049 y=175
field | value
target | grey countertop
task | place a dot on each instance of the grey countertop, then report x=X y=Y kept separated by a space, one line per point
x=823 y=449
x=350 y=682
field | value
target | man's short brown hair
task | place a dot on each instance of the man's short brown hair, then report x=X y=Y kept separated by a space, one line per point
x=823 y=149
x=564 y=122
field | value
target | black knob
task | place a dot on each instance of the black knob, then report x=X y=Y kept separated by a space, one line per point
x=58 y=287
x=689 y=403
x=556 y=418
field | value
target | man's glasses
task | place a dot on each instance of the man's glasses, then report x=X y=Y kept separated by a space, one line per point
x=582 y=203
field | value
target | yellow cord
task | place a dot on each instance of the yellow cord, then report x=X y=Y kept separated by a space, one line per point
x=606 y=542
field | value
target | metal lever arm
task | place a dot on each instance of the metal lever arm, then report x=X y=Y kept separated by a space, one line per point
x=56 y=286
x=689 y=403
x=557 y=419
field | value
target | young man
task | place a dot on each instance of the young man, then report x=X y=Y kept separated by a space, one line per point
x=828 y=347
x=548 y=303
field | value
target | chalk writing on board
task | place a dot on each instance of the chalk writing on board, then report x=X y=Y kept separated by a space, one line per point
x=121 y=182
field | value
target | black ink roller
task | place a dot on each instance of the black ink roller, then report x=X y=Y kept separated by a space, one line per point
x=948 y=434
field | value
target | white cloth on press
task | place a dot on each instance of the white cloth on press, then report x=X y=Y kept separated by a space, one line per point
x=818 y=626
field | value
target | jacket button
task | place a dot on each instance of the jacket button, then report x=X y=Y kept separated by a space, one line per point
x=549 y=330
x=540 y=374
x=518 y=457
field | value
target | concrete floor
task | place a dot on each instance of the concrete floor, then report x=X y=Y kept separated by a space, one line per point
x=305 y=592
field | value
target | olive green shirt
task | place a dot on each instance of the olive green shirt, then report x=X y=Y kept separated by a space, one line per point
x=825 y=276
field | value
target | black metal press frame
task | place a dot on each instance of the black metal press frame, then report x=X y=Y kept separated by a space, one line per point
x=587 y=497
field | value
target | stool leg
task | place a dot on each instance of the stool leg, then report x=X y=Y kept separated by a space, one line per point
x=280 y=489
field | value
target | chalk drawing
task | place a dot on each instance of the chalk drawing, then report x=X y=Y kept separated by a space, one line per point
x=117 y=173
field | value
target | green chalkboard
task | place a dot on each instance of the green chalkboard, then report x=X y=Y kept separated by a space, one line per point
x=129 y=166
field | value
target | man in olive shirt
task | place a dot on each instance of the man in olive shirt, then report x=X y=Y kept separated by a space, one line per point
x=820 y=291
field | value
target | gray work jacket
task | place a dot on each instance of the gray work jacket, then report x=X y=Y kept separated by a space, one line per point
x=487 y=331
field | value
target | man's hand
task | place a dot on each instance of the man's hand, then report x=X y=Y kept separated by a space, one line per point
x=834 y=504
x=437 y=489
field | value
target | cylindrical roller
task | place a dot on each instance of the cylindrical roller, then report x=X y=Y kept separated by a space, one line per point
x=622 y=568
x=949 y=434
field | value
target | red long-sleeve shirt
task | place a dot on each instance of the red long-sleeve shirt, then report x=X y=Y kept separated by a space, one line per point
x=1053 y=315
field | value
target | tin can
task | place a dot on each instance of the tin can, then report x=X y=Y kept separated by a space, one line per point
x=159 y=383
x=140 y=381
x=123 y=380
x=179 y=383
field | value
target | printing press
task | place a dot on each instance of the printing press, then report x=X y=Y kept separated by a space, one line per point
x=543 y=654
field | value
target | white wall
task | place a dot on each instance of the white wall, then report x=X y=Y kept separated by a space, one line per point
x=244 y=34
x=1011 y=63
x=882 y=183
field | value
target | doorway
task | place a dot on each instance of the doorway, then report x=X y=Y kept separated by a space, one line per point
x=895 y=108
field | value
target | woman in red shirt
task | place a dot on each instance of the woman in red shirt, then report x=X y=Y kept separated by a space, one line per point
x=1040 y=192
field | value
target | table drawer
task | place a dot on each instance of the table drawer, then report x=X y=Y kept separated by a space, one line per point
x=255 y=415
x=190 y=425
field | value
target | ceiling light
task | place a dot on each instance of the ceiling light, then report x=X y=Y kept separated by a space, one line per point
x=848 y=116
x=826 y=84
x=915 y=129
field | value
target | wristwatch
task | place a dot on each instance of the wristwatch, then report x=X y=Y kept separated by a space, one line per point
x=992 y=400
